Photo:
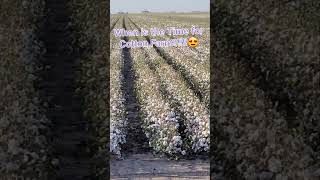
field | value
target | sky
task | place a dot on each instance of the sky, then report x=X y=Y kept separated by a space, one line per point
x=135 y=6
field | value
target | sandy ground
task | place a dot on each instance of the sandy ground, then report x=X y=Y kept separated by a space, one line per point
x=146 y=166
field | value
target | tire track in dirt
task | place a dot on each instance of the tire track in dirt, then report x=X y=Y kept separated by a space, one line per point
x=70 y=138
x=137 y=141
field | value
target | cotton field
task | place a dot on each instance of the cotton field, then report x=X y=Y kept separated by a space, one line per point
x=170 y=86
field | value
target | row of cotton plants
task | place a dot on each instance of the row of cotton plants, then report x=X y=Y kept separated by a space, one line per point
x=160 y=121
x=118 y=121
x=25 y=151
x=195 y=114
x=197 y=73
x=114 y=40
x=112 y=21
x=204 y=21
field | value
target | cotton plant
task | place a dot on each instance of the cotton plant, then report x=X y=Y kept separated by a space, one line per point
x=160 y=121
x=118 y=121
x=23 y=124
x=196 y=114
x=197 y=73
x=114 y=41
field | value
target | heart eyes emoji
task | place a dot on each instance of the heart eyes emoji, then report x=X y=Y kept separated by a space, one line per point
x=193 y=42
